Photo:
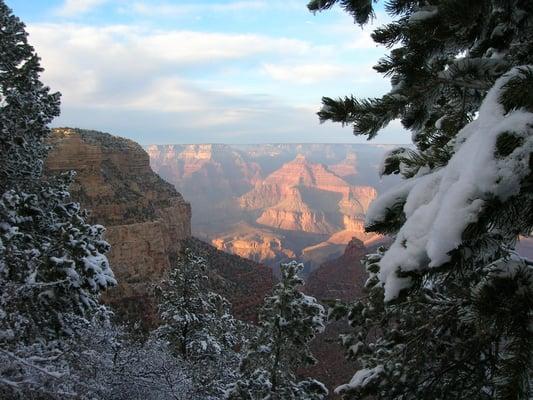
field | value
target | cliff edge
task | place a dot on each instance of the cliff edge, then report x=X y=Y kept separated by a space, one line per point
x=145 y=217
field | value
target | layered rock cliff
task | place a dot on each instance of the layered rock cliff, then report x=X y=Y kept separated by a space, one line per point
x=146 y=219
x=307 y=197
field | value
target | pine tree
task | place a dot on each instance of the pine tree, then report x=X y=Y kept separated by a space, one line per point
x=449 y=303
x=199 y=325
x=288 y=321
x=27 y=106
x=52 y=263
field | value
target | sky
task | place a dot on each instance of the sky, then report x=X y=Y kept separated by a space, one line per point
x=204 y=71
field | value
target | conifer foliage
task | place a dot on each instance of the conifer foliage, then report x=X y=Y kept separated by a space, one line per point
x=199 y=326
x=197 y=320
x=288 y=320
x=52 y=263
x=449 y=304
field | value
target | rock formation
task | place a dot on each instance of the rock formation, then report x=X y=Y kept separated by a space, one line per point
x=272 y=202
x=146 y=219
x=308 y=197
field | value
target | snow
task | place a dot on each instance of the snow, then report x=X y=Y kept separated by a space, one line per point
x=377 y=210
x=395 y=153
x=99 y=266
x=424 y=13
x=438 y=123
x=441 y=204
x=361 y=379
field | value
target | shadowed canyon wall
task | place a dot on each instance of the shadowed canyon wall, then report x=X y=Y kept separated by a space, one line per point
x=340 y=279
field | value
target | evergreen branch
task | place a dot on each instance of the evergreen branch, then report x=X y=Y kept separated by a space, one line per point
x=518 y=92
x=361 y=10
x=33 y=366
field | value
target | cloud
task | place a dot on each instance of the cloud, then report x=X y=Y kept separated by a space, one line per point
x=117 y=65
x=167 y=9
x=170 y=10
x=162 y=86
x=305 y=73
x=308 y=74
x=72 y=8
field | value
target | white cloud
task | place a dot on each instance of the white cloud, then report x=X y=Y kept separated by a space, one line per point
x=127 y=66
x=168 y=9
x=132 y=79
x=72 y=8
x=305 y=74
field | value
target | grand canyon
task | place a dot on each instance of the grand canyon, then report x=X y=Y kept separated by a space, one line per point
x=282 y=191
x=275 y=202
x=243 y=208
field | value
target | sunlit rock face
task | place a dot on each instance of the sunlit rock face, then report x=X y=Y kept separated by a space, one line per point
x=275 y=202
x=308 y=197
x=145 y=217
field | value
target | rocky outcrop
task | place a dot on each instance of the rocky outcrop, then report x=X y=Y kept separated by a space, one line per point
x=145 y=217
x=307 y=197
x=260 y=245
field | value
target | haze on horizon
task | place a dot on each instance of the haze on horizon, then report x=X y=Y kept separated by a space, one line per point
x=205 y=71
